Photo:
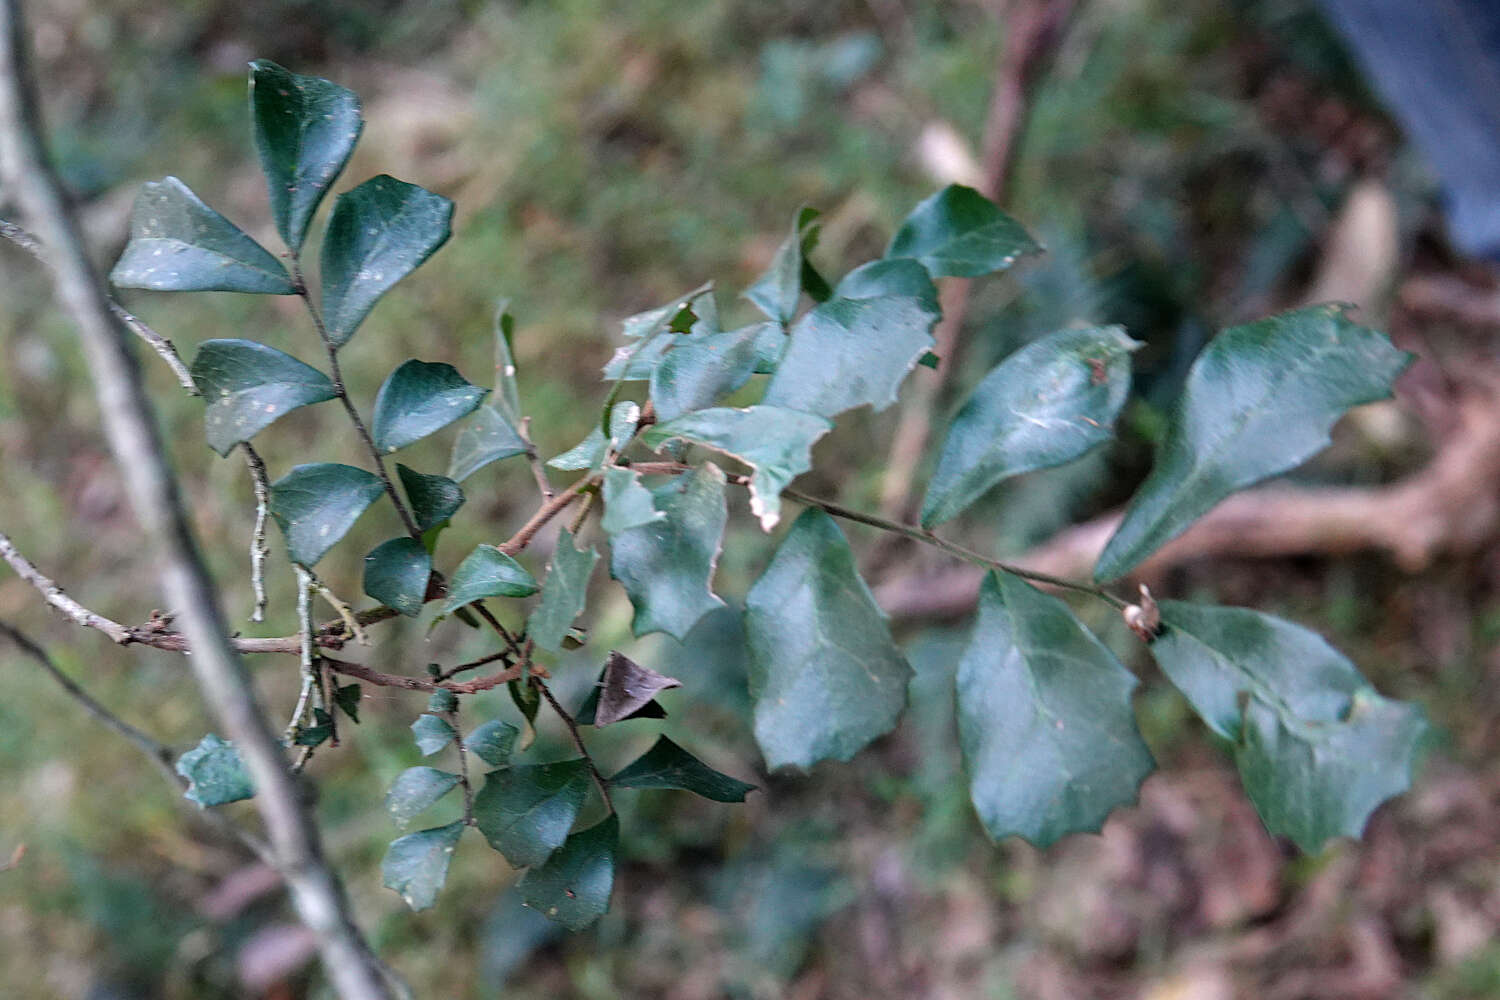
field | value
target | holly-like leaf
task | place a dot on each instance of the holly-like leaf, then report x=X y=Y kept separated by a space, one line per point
x=667 y=566
x=316 y=734
x=378 y=234
x=694 y=315
x=627 y=504
x=1318 y=749
x=563 y=593
x=667 y=765
x=433 y=499
x=419 y=398
x=878 y=278
x=775 y=442
x=347 y=698
x=587 y=710
x=1259 y=400
x=573 y=887
x=414 y=790
x=492 y=742
x=525 y=812
x=248 y=385
x=626 y=687
x=776 y=292
x=416 y=865
x=487 y=572
x=591 y=451
x=1046 y=404
x=305 y=129
x=316 y=505
x=432 y=734
x=396 y=574
x=215 y=773
x=179 y=244
x=959 y=233
x=486 y=438
x=825 y=675
x=852 y=352
x=696 y=375
x=1044 y=718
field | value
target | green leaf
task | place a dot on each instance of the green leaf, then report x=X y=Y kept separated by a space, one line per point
x=416 y=865
x=590 y=452
x=563 y=593
x=316 y=505
x=959 y=233
x=378 y=234
x=507 y=397
x=627 y=504
x=588 y=710
x=248 y=385
x=492 y=742
x=484 y=439
x=667 y=566
x=825 y=675
x=1318 y=749
x=852 y=352
x=528 y=701
x=525 y=812
x=635 y=362
x=317 y=734
x=695 y=375
x=776 y=292
x=442 y=700
x=667 y=765
x=414 y=790
x=625 y=689
x=215 y=773
x=487 y=572
x=1260 y=399
x=1044 y=718
x=775 y=442
x=347 y=698
x=879 y=278
x=396 y=574
x=418 y=399
x=1046 y=404
x=432 y=734
x=433 y=499
x=573 y=887
x=305 y=129
x=179 y=244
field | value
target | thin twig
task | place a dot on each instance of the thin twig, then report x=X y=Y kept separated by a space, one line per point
x=304 y=653
x=379 y=679
x=538 y=471
x=583 y=750
x=258 y=548
x=463 y=767
x=504 y=655
x=548 y=511
x=53 y=595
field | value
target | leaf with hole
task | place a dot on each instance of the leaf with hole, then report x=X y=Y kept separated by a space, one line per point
x=492 y=742
x=179 y=244
x=432 y=734
x=396 y=574
x=573 y=887
x=416 y=865
x=564 y=593
x=316 y=505
x=1259 y=400
x=433 y=499
x=378 y=234
x=414 y=790
x=1044 y=718
x=487 y=572
x=959 y=233
x=1048 y=403
x=667 y=765
x=525 y=812
x=825 y=675
x=418 y=399
x=247 y=385
x=214 y=772
x=305 y=129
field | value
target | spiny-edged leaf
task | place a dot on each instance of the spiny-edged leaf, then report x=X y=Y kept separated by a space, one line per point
x=487 y=572
x=667 y=566
x=432 y=734
x=487 y=437
x=564 y=593
x=433 y=499
x=492 y=742
x=1046 y=404
x=347 y=699
x=419 y=398
x=776 y=292
x=635 y=361
x=693 y=376
x=378 y=234
x=573 y=887
x=1317 y=748
x=825 y=675
x=416 y=865
x=587 y=710
x=247 y=385
x=305 y=129
x=1259 y=400
x=627 y=504
x=507 y=397
x=215 y=773
x=852 y=352
x=590 y=452
x=179 y=244
x=1044 y=718
x=626 y=687
x=396 y=574
x=775 y=442
x=414 y=790
x=889 y=277
x=959 y=233
x=667 y=765
x=526 y=811
x=316 y=505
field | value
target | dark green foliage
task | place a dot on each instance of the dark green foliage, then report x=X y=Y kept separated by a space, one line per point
x=667 y=765
x=248 y=385
x=525 y=812
x=418 y=399
x=487 y=572
x=958 y=232
x=396 y=574
x=215 y=773
x=316 y=505
x=416 y=866
x=573 y=886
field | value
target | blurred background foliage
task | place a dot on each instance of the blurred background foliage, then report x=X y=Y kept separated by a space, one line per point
x=1183 y=162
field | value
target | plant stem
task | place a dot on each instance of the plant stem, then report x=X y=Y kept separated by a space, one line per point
x=572 y=725
x=463 y=767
